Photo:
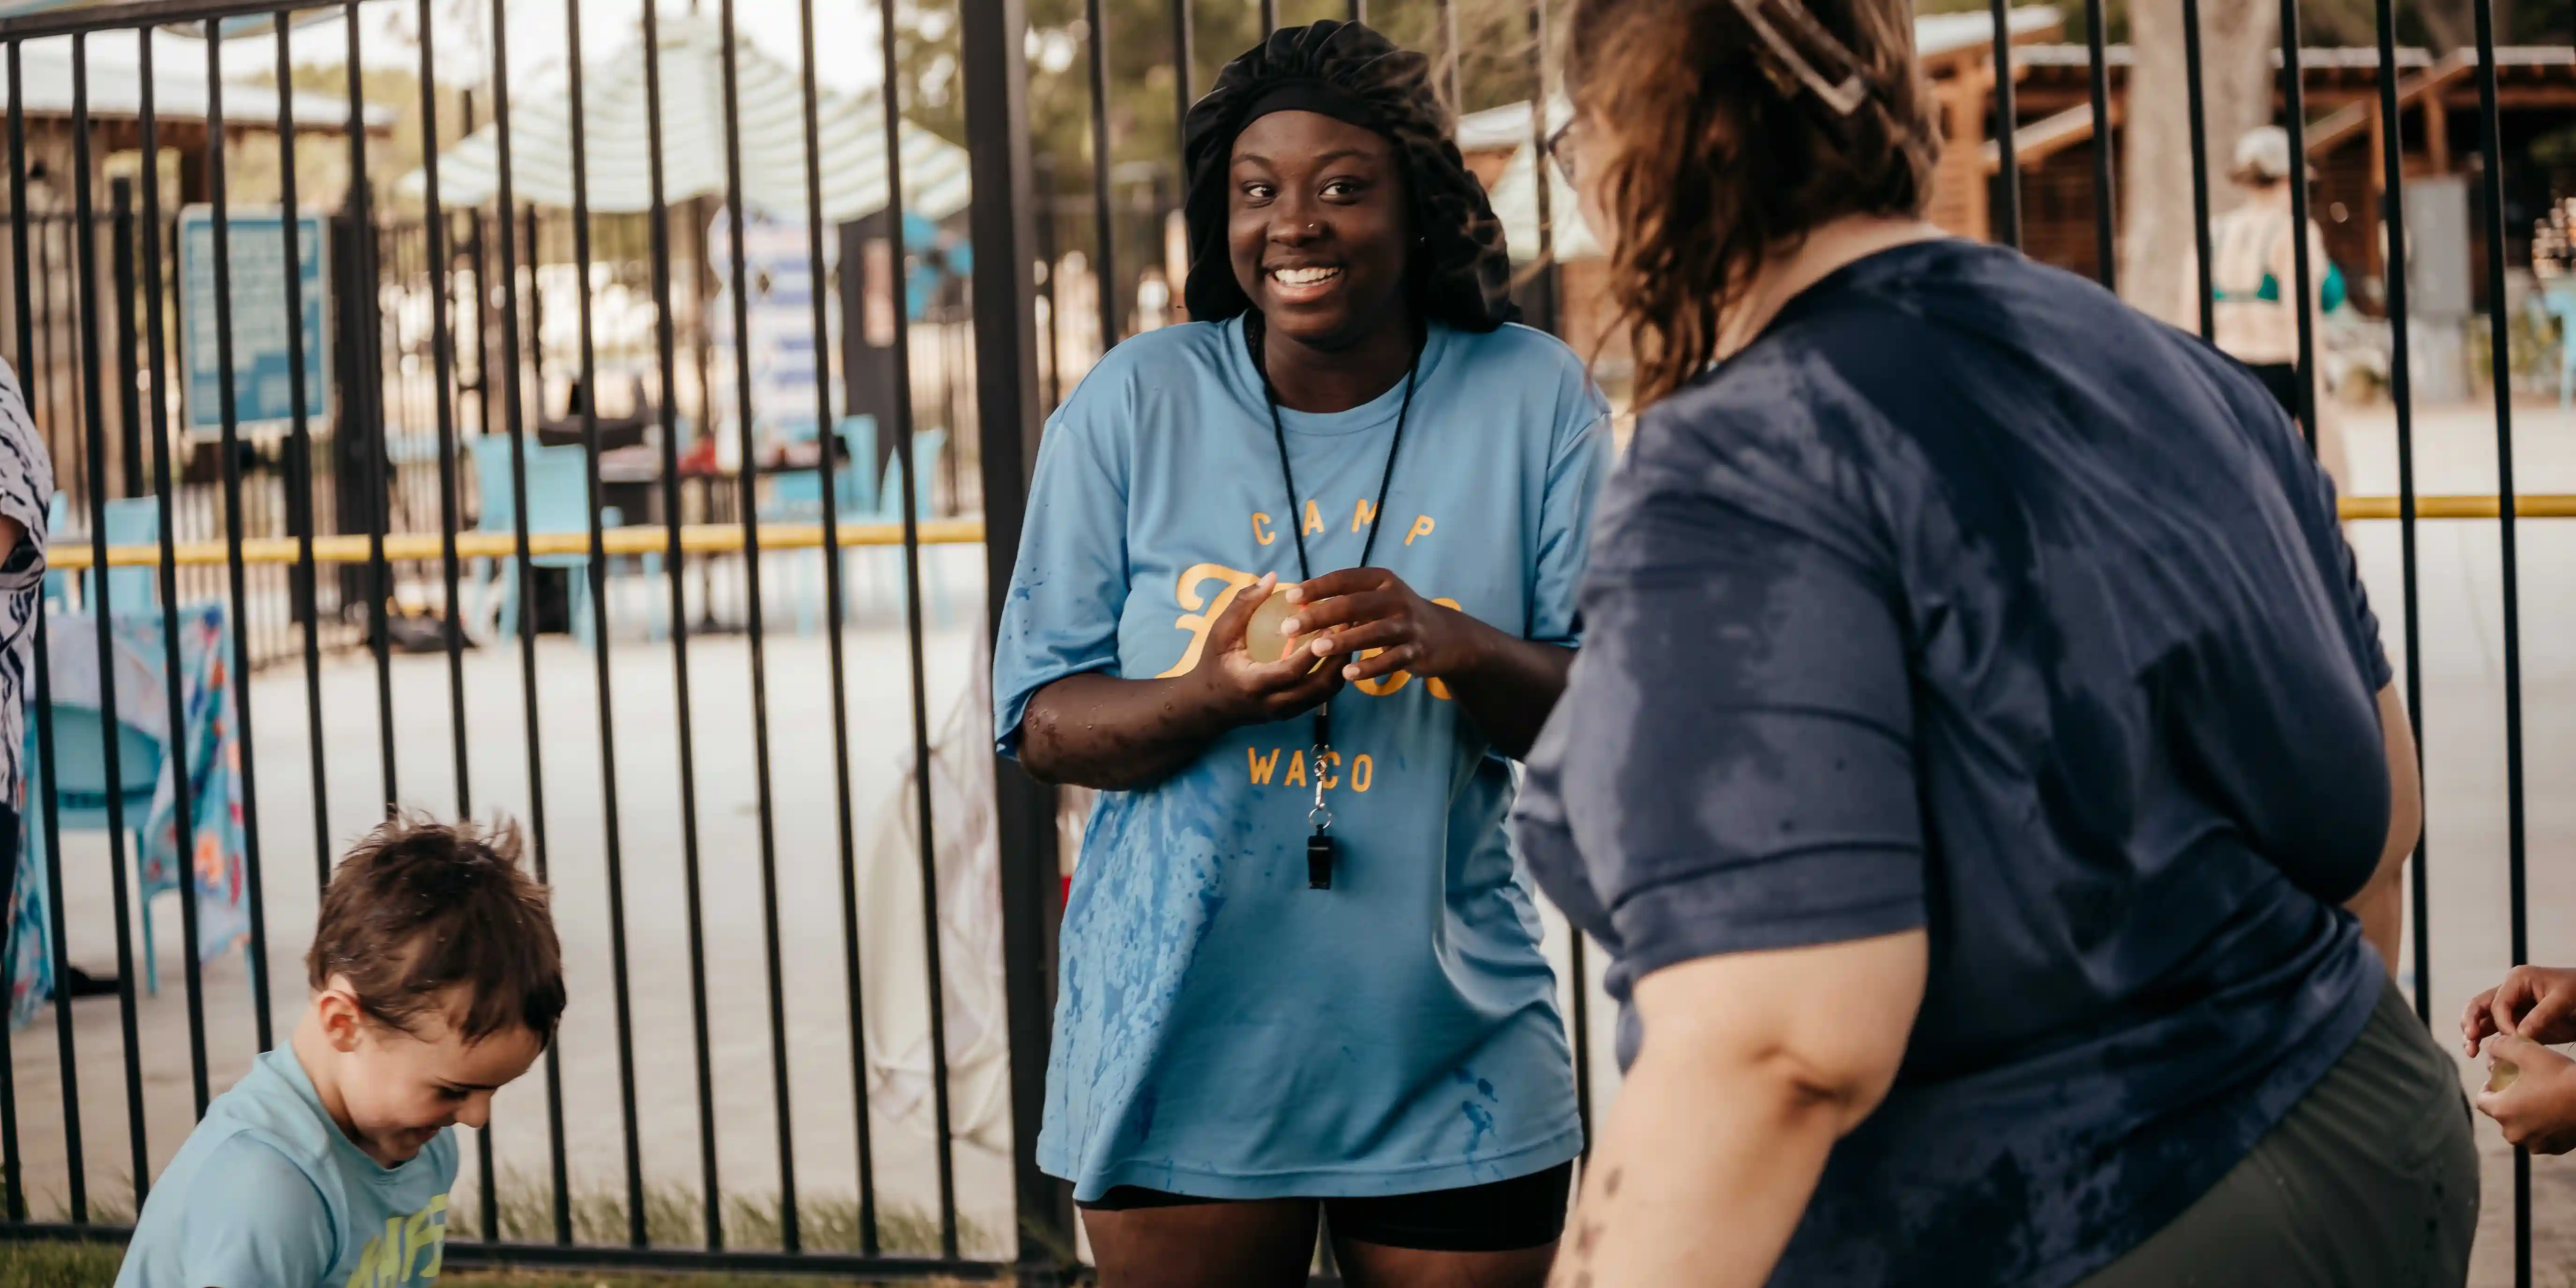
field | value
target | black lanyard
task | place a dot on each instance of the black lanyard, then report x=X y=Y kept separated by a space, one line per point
x=1319 y=846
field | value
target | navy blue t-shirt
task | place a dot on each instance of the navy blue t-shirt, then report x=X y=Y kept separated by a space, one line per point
x=1967 y=598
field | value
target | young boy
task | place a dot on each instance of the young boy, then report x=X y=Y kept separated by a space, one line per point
x=436 y=979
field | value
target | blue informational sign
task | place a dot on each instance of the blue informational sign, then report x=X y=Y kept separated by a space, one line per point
x=263 y=377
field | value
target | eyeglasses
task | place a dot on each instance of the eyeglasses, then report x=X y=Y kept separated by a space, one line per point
x=1561 y=148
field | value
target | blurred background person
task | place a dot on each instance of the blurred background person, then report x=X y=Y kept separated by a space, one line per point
x=2253 y=268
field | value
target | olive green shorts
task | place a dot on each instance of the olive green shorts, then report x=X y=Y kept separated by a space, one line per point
x=2370 y=1182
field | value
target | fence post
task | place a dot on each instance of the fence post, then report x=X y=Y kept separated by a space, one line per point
x=1004 y=233
x=129 y=414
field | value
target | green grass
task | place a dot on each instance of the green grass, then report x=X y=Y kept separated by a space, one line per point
x=673 y=1217
x=93 y=1265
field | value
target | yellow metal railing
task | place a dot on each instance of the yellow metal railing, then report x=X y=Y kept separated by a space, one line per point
x=727 y=538
x=2527 y=505
x=695 y=538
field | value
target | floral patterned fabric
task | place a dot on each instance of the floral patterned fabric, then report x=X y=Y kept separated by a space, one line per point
x=211 y=752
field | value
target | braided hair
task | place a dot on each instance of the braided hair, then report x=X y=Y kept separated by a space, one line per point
x=1459 y=273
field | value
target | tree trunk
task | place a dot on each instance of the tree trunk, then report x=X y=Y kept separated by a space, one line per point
x=2159 y=271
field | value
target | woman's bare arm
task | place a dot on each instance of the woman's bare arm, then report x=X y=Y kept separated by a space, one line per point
x=1753 y=1065
x=2381 y=905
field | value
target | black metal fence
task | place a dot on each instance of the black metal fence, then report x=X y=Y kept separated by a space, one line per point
x=436 y=350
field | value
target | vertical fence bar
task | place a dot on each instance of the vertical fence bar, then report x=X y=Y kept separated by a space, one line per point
x=66 y=1047
x=1182 y=52
x=308 y=591
x=597 y=573
x=1104 y=221
x=1457 y=56
x=129 y=422
x=2294 y=115
x=96 y=600
x=2007 y=216
x=513 y=404
x=2106 y=207
x=75 y=1159
x=996 y=83
x=788 y=1233
x=2191 y=63
x=379 y=499
x=221 y=223
x=1543 y=182
x=827 y=468
x=2500 y=357
x=1269 y=17
x=1051 y=294
x=2401 y=391
x=442 y=358
x=185 y=818
x=664 y=346
x=1543 y=274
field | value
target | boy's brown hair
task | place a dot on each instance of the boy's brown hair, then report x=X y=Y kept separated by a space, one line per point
x=418 y=907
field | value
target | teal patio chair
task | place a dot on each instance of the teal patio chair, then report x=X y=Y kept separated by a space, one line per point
x=82 y=791
x=558 y=502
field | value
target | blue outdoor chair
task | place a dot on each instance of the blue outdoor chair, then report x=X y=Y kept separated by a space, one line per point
x=558 y=502
x=2561 y=304
x=82 y=791
x=798 y=498
x=929 y=446
x=133 y=522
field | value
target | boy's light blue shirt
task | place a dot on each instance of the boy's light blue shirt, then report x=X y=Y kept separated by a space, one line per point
x=1221 y=1029
x=267 y=1193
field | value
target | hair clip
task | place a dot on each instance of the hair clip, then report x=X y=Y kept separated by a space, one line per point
x=1844 y=96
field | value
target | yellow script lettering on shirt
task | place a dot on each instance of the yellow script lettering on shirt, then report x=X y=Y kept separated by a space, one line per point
x=1199 y=613
x=411 y=1251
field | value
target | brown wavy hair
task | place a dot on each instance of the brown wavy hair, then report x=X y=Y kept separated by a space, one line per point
x=418 y=907
x=1716 y=157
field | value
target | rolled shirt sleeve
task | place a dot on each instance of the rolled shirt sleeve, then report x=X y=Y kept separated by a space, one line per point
x=1069 y=585
x=1565 y=525
x=1733 y=756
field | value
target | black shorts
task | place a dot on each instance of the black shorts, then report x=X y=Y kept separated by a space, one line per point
x=1500 y=1216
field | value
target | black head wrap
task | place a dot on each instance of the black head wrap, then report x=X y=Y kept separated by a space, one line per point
x=1347 y=71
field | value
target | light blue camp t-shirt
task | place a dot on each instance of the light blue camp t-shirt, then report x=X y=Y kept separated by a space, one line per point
x=1221 y=1029
x=267 y=1192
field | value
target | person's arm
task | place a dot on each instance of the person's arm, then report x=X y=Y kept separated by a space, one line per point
x=1769 y=1058
x=1099 y=731
x=2381 y=905
x=26 y=484
x=1507 y=684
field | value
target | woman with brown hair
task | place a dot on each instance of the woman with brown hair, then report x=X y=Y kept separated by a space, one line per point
x=1973 y=765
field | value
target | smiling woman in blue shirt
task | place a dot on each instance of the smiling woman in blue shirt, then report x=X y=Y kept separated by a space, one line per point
x=1296 y=585
x=1981 y=765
